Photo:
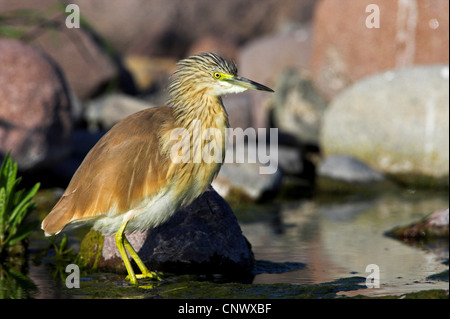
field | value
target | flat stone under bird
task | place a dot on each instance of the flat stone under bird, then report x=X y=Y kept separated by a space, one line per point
x=128 y=181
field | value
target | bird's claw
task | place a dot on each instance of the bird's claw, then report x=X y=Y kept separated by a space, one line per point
x=150 y=275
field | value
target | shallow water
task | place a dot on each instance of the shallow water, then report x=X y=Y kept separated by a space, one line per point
x=338 y=240
x=303 y=243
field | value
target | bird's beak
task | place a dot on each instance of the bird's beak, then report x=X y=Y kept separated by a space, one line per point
x=247 y=84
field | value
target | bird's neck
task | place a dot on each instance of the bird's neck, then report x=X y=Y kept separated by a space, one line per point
x=206 y=121
x=204 y=109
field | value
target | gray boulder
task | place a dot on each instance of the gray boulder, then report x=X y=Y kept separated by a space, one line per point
x=252 y=179
x=348 y=169
x=397 y=122
x=107 y=110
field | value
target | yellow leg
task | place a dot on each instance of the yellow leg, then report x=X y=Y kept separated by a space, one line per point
x=145 y=272
x=120 y=245
x=123 y=245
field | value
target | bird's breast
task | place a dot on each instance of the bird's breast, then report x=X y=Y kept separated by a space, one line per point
x=196 y=152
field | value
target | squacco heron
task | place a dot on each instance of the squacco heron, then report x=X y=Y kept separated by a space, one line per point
x=128 y=181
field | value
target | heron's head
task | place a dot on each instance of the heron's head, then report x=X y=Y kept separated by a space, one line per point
x=212 y=75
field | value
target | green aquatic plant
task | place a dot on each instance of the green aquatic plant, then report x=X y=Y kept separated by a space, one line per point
x=15 y=206
x=62 y=249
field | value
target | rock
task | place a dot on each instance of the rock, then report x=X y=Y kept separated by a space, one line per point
x=83 y=141
x=244 y=179
x=150 y=72
x=297 y=107
x=348 y=169
x=397 y=122
x=108 y=110
x=248 y=179
x=86 y=69
x=264 y=59
x=410 y=33
x=85 y=64
x=35 y=109
x=291 y=160
x=143 y=28
x=203 y=238
x=224 y=47
x=239 y=110
x=434 y=225
x=164 y=27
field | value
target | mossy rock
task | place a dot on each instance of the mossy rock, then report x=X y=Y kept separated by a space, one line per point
x=434 y=225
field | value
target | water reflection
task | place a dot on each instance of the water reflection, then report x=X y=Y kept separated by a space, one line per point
x=338 y=240
x=14 y=282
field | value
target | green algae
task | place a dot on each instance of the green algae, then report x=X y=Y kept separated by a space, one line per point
x=424 y=294
x=90 y=250
x=331 y=190
x=427 y=294
x=442 y=276
x=419 y=230
x=189 y=287
x=419 y=181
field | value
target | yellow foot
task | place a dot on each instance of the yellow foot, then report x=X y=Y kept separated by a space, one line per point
x=150 y=275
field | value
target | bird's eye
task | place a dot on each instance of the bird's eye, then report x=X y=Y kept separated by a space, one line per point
x=216 y=75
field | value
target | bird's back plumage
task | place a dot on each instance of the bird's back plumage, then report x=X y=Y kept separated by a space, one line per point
x=109 y=183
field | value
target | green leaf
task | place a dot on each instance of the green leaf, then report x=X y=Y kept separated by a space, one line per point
x=15 y=206
x=2 y=206
x=23 y=232
x=21 y=206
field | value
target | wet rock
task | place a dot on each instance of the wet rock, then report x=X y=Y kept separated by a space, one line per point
x=35 y=109
x=348 y=169
x=396 y=122
x=434 y=225
x=108 y=110
x=442 y=276
x=297 y=107
x=410 y=33
x=204 y=238
x=270 y=267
